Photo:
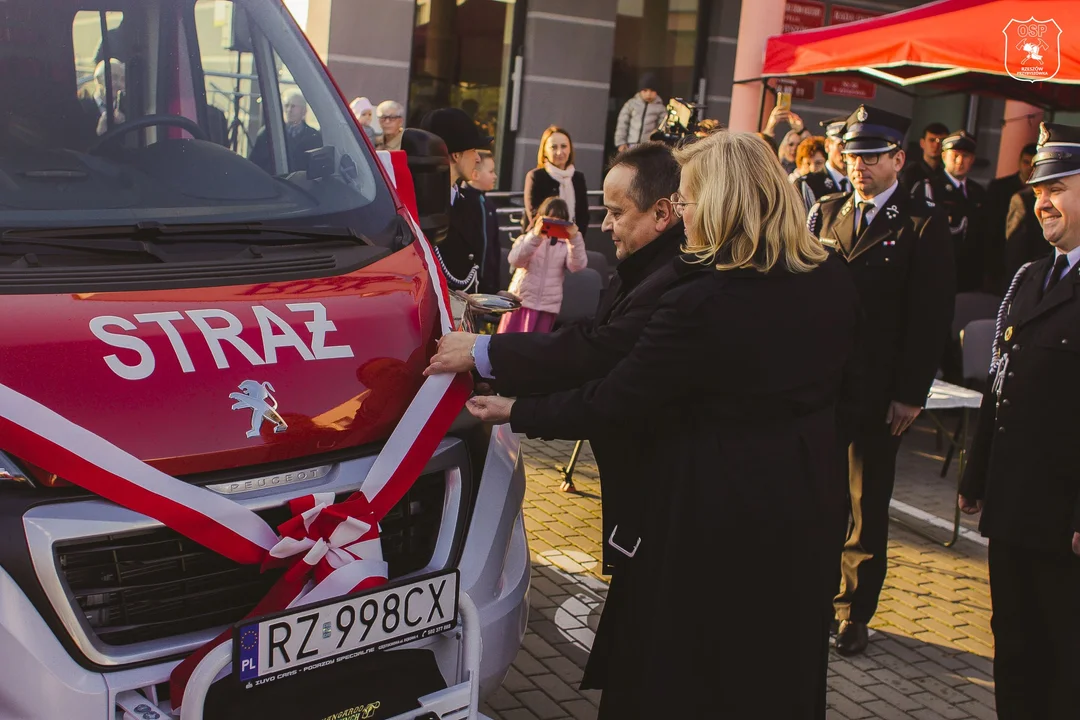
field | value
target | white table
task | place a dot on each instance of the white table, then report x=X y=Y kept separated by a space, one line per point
x=946 y=396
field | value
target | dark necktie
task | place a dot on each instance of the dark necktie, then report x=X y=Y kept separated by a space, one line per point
x=963 y=187
x=1060 y=265
x=864 y=215
x=845 y=186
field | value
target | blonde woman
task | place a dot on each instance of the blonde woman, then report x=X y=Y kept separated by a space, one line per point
x=789 y=146
x=720 y=600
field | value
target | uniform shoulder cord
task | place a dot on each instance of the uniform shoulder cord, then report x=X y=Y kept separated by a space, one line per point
x=453 y=281
x=999 y=361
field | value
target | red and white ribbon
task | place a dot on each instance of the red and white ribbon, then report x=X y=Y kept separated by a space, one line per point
x=330 y=549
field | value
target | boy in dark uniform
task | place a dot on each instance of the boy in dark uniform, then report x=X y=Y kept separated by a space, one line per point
x=963 y=199
x=900 y=255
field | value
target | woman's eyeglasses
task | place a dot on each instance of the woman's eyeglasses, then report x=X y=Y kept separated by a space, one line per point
x=678 y=206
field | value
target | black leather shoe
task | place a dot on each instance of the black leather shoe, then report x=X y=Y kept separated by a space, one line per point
x=852 y=638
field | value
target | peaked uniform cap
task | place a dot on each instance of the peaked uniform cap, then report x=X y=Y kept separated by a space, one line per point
x=834 y=127
x=871 y=130
x=1058 y=153
x=959 y=140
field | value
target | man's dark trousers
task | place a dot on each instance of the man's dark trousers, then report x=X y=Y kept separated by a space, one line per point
x=1036 y=597
x=871 y=474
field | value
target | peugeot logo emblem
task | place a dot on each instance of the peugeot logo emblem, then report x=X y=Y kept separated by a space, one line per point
x=256 y=397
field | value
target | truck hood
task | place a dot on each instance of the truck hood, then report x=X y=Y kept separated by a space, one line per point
x=201 y=380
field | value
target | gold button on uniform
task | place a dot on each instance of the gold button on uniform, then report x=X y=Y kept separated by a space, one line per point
x=1008 y=333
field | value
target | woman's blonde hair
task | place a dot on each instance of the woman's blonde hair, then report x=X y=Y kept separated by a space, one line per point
x=746 y=214
x=783 y=143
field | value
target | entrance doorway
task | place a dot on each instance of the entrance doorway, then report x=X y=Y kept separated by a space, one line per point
x=462 y=56
x=660 y=38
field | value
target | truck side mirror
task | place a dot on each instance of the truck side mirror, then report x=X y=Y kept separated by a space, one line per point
x=429 y=163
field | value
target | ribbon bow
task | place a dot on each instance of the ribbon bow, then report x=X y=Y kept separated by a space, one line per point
x=327 y=537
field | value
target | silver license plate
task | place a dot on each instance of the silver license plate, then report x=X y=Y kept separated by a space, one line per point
x=287 y=644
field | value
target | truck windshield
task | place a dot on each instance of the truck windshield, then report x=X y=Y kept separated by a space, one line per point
x=117 y=113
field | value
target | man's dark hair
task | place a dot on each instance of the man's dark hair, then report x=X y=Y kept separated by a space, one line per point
x=935 y=128
x=1029 y=149
x=656 y=173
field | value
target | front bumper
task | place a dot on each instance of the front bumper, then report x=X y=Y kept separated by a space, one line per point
x=48 y=682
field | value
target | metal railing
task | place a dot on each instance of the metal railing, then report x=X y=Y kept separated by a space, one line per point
x=511 y=206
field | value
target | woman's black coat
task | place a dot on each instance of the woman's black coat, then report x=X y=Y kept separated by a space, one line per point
x=539 y=186
x=734 y=381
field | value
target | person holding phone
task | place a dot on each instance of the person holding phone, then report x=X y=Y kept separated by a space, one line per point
x=541 y=257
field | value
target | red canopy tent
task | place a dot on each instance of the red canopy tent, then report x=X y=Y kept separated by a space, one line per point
x=1025 y=50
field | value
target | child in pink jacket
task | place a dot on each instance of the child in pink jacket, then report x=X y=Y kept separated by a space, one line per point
x=541 y=261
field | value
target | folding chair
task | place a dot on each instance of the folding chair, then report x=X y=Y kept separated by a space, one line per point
x=581 y=295
x=598 y=262
x=977 y=347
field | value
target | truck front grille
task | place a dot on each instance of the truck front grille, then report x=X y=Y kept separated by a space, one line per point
x=158 y=584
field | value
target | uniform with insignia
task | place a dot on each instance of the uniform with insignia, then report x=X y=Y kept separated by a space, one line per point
x=813 y=186
x=964 y=199
x=1023 y=467
x=900 y=254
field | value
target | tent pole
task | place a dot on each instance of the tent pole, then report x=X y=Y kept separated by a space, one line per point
x=761 y=105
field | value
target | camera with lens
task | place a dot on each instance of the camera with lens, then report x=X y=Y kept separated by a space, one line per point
x=679 y=124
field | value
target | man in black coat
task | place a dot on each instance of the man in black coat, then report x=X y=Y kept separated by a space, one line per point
x=468 y=243
x=898 y=249
x=833 y=177
x=927 y=167
x=1024 y=241
x=300 y=138
x=1023 y=472
x=963 y=200
x=647 y=236
x=999 y=194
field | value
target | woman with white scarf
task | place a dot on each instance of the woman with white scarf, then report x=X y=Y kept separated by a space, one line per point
x=555 y=176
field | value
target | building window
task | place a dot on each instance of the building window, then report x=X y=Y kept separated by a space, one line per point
x=459 y=59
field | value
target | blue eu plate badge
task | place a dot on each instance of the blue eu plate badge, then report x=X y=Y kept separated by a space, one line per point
x=249 y=653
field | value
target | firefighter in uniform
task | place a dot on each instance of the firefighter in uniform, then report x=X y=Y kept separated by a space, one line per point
x=833 y=177
x=962 y=199
x=1023 y=474
x=900 y=255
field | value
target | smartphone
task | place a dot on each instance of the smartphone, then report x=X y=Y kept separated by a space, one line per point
x=783 y=99
x=556 y=228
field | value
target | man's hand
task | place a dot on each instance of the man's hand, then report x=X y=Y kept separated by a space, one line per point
x=492 y=408
x=103 y=122
x=974 y=507
x=623 y=147
x=900 y=416
x=1076 y=543
x=453 y=355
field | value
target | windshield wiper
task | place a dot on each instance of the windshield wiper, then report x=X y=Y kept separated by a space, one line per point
x=155 y=232
x=8 y=246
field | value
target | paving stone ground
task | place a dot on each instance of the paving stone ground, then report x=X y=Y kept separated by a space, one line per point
x=930 y=651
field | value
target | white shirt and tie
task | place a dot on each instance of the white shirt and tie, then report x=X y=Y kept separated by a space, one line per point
x=1064 y=263
x=840 y=180
x=868 y=208
x=960 y=185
